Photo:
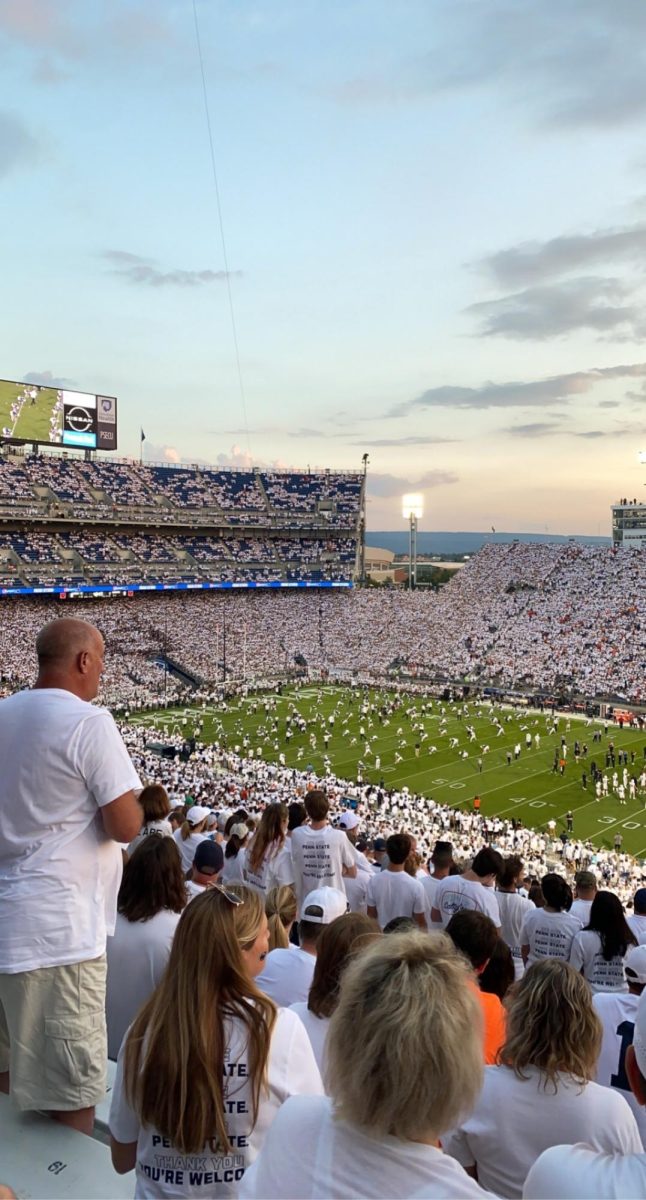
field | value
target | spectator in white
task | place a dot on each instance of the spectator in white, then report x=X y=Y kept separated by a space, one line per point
x=268 y=859
x=441 y=860
x=473 y=889
x=617 y=1012
x=63 y=764
x=287 y=976
x=208 y=1060
x=638 y=920
x=191 y=833
x=404 y=1064
x=393 y=892
x=321 y=855
x=548 y=932
x=543 y=1090
x=598 y=951
x=513 y=908
x=356 y=887
x=585 y=890
x=337 y=945
x=577 y=1172
x=379 y=853
x=281 y=909
x=206 y=869
x=350 y=824
x=234 y=854
x=156 y=809
x=151 y=900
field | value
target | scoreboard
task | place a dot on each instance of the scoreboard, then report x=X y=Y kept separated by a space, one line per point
x=50 y=416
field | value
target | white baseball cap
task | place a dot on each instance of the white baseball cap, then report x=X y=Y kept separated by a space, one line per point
x=635 y=964
x=196 y=814
x=324 y=905
x=348 y=820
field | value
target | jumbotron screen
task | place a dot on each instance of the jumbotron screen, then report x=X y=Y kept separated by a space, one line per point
x=53 y=416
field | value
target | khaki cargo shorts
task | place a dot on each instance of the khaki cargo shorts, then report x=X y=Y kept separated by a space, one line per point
x=53 y=1036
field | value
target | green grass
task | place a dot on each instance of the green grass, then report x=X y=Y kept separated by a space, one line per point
x=33 y=421
x=527 y=789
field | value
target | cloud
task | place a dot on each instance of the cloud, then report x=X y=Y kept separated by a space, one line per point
x=554 y=310
x=530 y=263
x=610 y=403
x=412 y=440
x=556 y=390
x=18 y=147
x=143 y=271
x=47 y=379
x=161 y=453
x=386 y=487
x=531 y=430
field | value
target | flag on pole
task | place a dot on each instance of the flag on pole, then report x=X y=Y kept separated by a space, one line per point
x=143 y=436
x=492 y=529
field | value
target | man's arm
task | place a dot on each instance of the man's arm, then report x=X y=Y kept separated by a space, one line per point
x=122 y=818
x=124 y=1155
x=420 y=919
x=436 y=916
x=372 y=911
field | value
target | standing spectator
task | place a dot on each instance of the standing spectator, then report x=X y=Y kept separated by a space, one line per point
x=598 y=951
x=191 y=833
x=151 y=900
x=268 y=860
x=548 y=932
x=321 y=855
x=638 y=920
x=476 y=937
x=280 y=907
x=472 y=890
x=156 y=809
x=63 y=766
x=617 y=1012
x=206 y=869
x=234 y=854
x=513 y=908
x=393 y=893
x=585 y=890
x=288 y=973
x=441 y=860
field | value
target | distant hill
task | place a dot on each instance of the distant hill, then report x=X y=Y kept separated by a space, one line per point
x=443 y=542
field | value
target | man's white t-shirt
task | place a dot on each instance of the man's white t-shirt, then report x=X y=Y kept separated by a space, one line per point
x=346 y=1161
x=316 y=1029
x=513 y=910
x=548 y=934
x=579 y=1173
x=581 y=910
x=638 y=925
x=137 y=956
x=430 y=885
x=514 y=1120
x=356 y=890
x=319 y=856
x=395 y=894
x=616 y=1011
x=162 y=1171
x=456 y=893
x=188 y=846
x=586 y=955
x=275 y=870
x=287 y=976
x=62 y=761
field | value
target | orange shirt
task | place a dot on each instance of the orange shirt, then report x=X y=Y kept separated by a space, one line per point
x=495 y=1028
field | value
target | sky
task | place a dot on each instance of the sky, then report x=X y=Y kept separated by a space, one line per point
x=292 y=232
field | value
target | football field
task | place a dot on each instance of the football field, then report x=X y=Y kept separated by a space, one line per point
x=424 y=744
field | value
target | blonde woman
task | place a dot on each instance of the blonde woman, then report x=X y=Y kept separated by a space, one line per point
x=191 y=832
x=280 y=907
x=404 y=1059
x=542 y=1094
x=268 y=860
x=209 y=1059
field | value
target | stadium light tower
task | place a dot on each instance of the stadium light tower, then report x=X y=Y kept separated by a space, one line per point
x=412 y=511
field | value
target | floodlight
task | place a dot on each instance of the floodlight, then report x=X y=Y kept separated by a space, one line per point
x=412 y=505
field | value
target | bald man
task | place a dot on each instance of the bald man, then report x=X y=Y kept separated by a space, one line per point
x=67 y=798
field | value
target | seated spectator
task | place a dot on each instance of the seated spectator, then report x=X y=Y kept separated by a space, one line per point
x=191 y=833
x=513 y=908
x=598 y=951
x=476 y=937
x=234 y=854
x=548 y=932
x=207 y=1034
x=268 y=859
x=156 y=805
x=287 y=976
x=206 y=869
x=471 y=890
x=151 y=900
x=337 y=945
x=393 y=892
x=542 y=1092
x=404 y=1060
x=280 y=907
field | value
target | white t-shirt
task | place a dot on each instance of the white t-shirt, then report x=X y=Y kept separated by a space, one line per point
x=137 y=955
x=430 y=885
x=287 y=976
x=579 y=1173
x=276 y=869
x=319 y=856
x=188 y=847
x=163 y=1172
x=514 y=1120
x=455 y=893
x=513 y=910
x=638 y=925
x=194 y=889
x=395 y=894
x=586 y=955
x=316 y=1029
x=62 y=760
x=548 y=934
x=161 y=828
x=581 y=910
x=616 y=1011
x=233 y=869
x=356 y=890
x=309 y=1154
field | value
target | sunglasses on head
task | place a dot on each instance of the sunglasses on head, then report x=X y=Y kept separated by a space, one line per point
x=233 y=899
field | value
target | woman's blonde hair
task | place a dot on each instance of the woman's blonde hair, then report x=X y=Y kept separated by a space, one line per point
x=404 y=1048
x=552 y=1025
x=281 y=908
x=175 y=1051
x=339 y=942
x=187 y=829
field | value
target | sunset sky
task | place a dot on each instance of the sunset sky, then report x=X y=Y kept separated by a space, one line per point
x=434 y=219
